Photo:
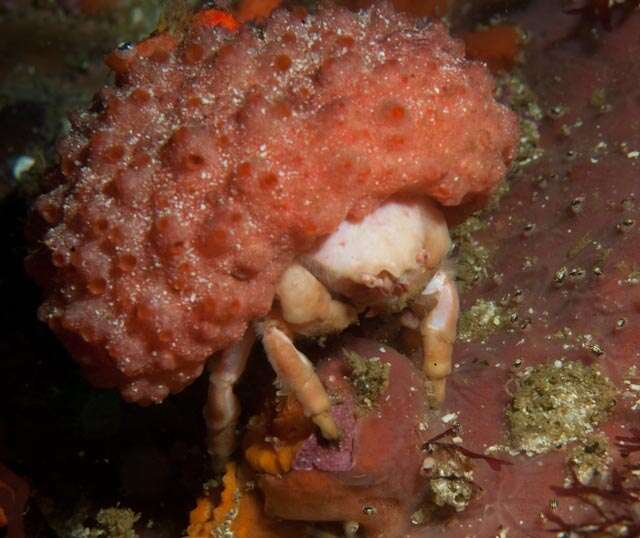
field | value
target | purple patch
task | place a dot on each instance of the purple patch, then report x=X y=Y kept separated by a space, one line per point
x=329 y=457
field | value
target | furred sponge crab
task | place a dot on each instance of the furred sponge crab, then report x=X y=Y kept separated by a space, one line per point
x=386 y=262
x=303 y=161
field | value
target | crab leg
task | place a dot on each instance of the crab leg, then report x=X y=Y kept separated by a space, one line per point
x=438 y=331
x=296 y=372
x=222 y=409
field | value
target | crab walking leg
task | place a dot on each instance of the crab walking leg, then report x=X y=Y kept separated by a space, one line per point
x=296 y=372
x=223 y=408
x=438 y=331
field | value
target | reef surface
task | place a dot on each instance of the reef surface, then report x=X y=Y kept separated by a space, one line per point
x=560 y=283
x=550 y=275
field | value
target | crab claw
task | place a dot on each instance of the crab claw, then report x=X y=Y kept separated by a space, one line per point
x=296 y=372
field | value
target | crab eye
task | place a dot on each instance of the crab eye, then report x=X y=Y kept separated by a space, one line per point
x=126 y=45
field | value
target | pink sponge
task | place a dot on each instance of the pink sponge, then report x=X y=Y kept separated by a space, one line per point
x=219 y=157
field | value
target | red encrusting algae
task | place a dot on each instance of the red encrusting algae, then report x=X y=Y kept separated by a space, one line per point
x=220 y=156
x=211 y=18
x=498 y=46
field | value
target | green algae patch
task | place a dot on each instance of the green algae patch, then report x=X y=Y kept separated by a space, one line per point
x=369 y=377
x=112 y=522
x=514 y=88
x=472 y=258
x=558 y=403
x=450 y=479
x=481 y=320
x=118 y=522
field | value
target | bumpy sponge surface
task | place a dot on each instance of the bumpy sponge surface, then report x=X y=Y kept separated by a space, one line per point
x=218 y=157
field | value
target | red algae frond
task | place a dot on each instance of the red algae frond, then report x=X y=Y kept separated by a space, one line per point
x=450 y=473
x=613 y=505
x=495 y=463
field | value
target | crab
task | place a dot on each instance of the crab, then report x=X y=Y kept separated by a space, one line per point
x=393 y=261
x=265 y=185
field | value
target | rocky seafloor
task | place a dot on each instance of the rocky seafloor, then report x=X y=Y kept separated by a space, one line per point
x=550 y=278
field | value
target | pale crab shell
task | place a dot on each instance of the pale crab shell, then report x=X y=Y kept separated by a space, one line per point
x=385 y=258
